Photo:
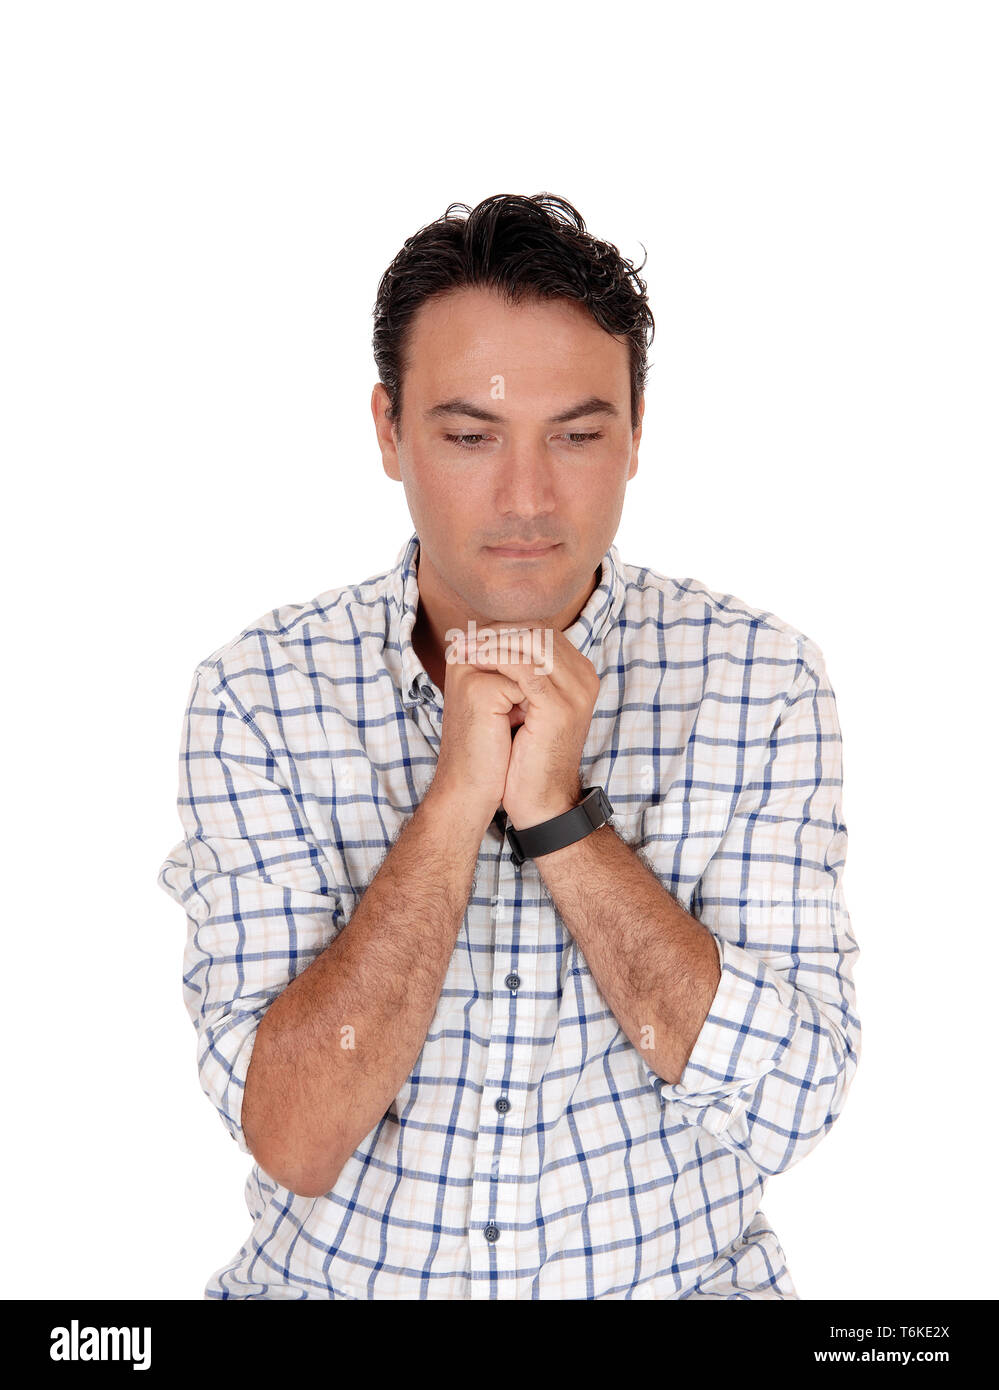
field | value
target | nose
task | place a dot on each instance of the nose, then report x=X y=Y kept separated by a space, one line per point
x=526 y=485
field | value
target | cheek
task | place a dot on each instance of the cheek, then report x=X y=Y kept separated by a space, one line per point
x=432 y=493
x=444 y=481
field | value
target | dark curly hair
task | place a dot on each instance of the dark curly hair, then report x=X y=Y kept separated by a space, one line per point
x=528 y=248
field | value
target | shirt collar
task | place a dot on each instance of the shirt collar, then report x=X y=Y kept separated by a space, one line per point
x=599 y=614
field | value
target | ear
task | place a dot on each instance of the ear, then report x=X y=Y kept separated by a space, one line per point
x=385 y=431
x=636 y=439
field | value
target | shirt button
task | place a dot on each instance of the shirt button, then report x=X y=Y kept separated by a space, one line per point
x=512 y=982
x=502 y=1105
x=491 y=1233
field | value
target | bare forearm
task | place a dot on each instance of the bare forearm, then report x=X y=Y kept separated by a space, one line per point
x=655 y=964
x=335 y=1047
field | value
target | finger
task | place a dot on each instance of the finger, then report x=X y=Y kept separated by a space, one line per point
x=534 y=691
x=508 y=694
x=515 y=645
x=458 y=651
x=550 y=682
x=545 y=650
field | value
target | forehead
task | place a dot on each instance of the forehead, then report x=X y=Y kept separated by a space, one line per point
x=461 y=339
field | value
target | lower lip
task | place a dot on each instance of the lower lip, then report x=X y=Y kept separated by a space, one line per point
x=521 y=554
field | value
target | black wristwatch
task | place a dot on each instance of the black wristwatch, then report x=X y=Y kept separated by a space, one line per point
x=592 y=812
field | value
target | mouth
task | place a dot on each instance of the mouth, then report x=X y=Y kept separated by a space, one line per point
x=523 y=552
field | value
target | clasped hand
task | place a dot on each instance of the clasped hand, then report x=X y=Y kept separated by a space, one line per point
x=534 y=775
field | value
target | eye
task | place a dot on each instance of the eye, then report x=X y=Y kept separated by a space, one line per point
x=576 y=441
x=461 y=440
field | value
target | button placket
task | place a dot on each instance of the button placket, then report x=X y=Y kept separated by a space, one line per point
x=501 y=1110
x=518 y=1020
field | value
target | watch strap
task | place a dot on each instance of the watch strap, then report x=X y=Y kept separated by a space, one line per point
x=592 y=812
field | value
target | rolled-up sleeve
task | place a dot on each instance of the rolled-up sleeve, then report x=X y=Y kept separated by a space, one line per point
x=254 y=885
x=771 y=1066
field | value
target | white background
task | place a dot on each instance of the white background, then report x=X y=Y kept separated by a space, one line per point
x=199 y=201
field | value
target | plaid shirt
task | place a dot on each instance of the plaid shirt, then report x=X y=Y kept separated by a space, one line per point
x=311 y=738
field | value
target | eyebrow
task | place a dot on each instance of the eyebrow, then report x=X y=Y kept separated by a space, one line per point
x=593 y=405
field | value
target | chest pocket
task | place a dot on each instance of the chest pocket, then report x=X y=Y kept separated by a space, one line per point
x=678 y=840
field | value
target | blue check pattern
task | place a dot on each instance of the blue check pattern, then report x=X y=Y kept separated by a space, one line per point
x=532 y=1153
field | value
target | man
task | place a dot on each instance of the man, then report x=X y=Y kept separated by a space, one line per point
x=472 y=1057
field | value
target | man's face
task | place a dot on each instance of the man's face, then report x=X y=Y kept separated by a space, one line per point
x=549 y=465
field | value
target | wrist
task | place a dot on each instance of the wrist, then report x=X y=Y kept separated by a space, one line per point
x=534 y=813
x=457 y=814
